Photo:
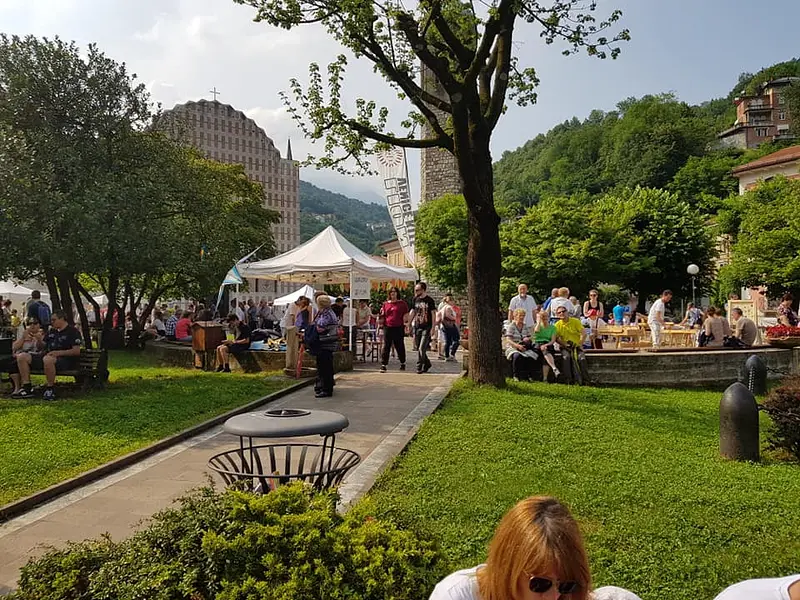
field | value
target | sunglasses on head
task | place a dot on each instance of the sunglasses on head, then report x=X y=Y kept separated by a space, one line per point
x=539 y=585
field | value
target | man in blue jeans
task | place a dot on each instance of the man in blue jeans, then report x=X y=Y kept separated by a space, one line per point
x=422 y=317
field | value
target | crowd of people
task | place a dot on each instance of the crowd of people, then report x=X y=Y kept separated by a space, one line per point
x=564 y=327
x=538 y=553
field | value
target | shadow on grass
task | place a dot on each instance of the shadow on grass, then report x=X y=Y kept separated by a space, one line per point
x=142 y=409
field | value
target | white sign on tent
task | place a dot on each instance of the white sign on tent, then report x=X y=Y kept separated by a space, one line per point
x=361 y=288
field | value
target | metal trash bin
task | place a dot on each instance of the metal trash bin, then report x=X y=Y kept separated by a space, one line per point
x=263 y=467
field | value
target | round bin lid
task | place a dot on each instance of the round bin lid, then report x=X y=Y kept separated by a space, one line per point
x=278 y=423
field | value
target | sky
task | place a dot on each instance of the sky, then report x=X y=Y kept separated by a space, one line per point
x=181 y=49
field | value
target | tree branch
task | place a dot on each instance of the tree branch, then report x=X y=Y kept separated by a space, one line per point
x=490 y=31
x=501 y=75
x=439 y=66
x=459 y=51
x=377 y=136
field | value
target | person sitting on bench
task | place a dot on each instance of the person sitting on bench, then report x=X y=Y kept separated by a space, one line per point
x=237 y=346
x=62 y=353
x=31 y=342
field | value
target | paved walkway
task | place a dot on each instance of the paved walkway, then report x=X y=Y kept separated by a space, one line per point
x=381 y=407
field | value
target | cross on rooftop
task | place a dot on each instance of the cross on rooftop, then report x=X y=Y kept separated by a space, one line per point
x=215 y=93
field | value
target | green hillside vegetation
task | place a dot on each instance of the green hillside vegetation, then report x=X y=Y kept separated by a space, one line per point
x=364 y=224
x=645 y=142
x=626 y=197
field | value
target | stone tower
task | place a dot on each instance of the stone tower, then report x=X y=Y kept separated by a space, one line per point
x=439 y=171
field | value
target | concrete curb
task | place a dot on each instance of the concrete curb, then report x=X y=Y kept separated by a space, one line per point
x=361 y=480
x=23 y=505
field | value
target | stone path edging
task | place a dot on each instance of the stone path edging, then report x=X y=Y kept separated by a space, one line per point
x=18 y=507
x=360 y=481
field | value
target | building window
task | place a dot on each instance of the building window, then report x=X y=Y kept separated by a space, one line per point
x=761 y=132
x=781 y=99
x=782 y=115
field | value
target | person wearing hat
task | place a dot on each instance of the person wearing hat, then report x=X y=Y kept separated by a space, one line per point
x=237 y=346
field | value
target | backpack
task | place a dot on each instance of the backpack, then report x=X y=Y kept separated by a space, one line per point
x=43 y=310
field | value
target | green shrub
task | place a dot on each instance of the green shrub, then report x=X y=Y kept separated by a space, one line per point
x=783 y=406
x=290 y=544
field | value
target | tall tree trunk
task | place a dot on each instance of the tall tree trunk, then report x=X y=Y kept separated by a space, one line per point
x=66 y=299
x=131 y=307
x=111 y=295
x=76 y=295
x=52 y=288
x=151 y=303
x=486 y=360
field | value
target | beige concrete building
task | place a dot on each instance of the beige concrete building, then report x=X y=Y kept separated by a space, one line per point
x=227 y=135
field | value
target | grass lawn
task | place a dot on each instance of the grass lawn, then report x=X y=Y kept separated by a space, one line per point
x=42 y=443
x=663 y=515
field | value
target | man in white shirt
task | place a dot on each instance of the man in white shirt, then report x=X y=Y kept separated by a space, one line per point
x=524 y=301
x=655 y=319
x=783 y=588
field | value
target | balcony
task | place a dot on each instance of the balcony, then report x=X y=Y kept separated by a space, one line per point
x=758 y=107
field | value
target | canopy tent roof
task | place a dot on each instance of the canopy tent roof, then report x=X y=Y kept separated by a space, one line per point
x=18 y=293
x=306 y=291
x=326 y=258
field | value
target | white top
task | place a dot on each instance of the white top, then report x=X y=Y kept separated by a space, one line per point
x=760 y=589
x=657 y=309
x=528 y=304
x=611 y=592
x=557 y=303
x=240 y=313
x=461 y=585
x=158 y=324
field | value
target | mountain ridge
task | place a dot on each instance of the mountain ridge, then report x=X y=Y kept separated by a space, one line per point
x=363 y=223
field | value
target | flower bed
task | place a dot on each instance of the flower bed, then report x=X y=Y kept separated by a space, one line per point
x=782 y=336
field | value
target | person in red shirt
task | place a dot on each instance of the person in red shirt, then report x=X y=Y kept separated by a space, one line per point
x=393 y=318
x=183 y=328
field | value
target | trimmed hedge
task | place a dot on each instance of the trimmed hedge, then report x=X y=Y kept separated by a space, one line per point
x=290 y=544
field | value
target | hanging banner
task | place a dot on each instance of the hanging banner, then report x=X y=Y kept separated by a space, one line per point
x=394 y=172
x=361 y=288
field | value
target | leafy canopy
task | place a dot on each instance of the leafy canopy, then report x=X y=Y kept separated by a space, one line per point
x=467 y=50
x=442 y=238
x=766 y=240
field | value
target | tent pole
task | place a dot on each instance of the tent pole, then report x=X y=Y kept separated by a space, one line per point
x=350 y=313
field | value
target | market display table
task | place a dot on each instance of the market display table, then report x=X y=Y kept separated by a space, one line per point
x=264 y=467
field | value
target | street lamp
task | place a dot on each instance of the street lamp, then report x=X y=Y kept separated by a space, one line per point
x=693 y=270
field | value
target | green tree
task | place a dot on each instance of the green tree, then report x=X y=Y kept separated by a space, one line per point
x=86 y=188
x=442 y=237
x=705 y=181
x=765 y=228
x=554 y=244
x=469 y=54
x=652 y=140
x=651 y=237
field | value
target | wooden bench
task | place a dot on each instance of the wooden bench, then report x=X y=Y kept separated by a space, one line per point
x=92 y=371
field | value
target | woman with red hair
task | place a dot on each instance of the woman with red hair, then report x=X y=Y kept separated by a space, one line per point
x=537 y=553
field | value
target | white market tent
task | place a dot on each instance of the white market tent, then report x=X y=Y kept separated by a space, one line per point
x=18 y=294
x=328 y=257
x=306 y=291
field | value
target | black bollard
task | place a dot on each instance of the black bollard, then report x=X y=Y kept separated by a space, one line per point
x=754 y=375
x=738 y=424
